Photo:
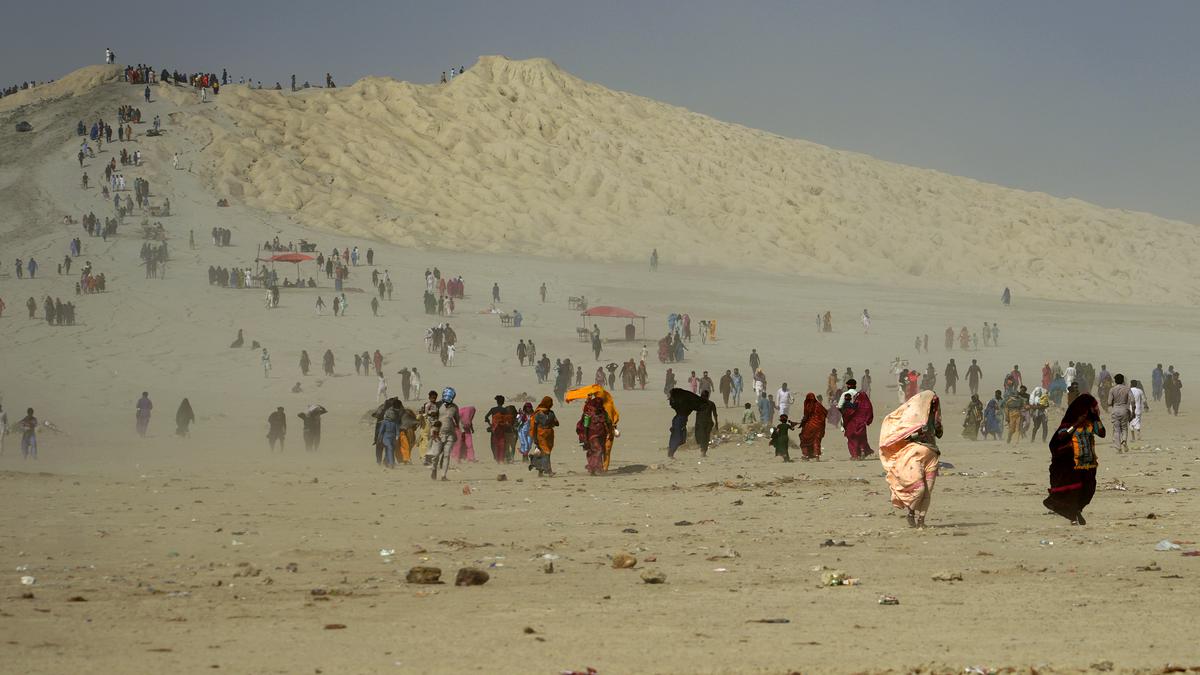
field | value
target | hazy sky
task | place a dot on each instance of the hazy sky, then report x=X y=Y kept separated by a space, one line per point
x=1092 y=99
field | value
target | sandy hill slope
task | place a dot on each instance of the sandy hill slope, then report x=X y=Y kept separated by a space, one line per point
x=520 y=156
x=77 y=83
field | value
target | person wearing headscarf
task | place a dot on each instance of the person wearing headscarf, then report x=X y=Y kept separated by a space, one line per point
x=524 y=430
x=812 y=428
x=464 y=445
x=541 y=429
x=304 y=362
x=972 y=418
x=311 y=420
x=684 y=403
x=277 y=428
x=857 y=415
x=184 y=417
x=593 y=429
x=1039 y=401
x=444 y=432
x=1073 y=459
x=706 y=421
x=991 y=416
x=610 y=409
x=909 y=453
x=387 y=431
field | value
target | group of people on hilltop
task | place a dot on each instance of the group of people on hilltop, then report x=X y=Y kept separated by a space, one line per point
x=9 y=91
x=453 y=74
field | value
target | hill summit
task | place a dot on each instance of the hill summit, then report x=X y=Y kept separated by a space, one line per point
x=523 y=156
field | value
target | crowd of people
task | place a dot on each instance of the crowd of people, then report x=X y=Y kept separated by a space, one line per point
x=28 y=84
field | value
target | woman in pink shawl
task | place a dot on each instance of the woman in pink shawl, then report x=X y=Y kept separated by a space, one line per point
x=857 y=415
x=464 y=445
x=909 y=453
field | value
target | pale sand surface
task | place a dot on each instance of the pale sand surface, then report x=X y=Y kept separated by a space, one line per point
x=144 y=529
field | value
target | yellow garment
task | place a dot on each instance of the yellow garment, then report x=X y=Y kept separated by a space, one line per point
x=712 y=330
x=606 y=400
x=610 y=409
x=912 y=467
x=403 y=447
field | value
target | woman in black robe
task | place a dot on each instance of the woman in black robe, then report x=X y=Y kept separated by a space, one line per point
x=1073 y=459
x=184 y=417
x=684 y=403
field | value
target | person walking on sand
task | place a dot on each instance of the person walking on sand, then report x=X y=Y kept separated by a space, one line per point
x=382 y=389
x=184 y=418
x=783 y=400
x=812 y=428
x=706 y=421
x=29 y=429
x=276 y=428
x=909 y=453
x=1073 y=459
x=726 y=387
x=500 y=421
x=866 y=322
x=266 y=363
x=541 y=429
x=951 y=375
x=857 y=414
x=1138 y=395
x=974 y=374
x=1120 y=405
x=311 y=419
x=592 y=430
x=142 y=414
x=779 y=437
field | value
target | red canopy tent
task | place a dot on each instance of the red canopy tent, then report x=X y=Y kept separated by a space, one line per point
x=610 y=312
x=296 y=258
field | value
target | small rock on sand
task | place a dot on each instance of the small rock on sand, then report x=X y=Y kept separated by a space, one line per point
x=623 y=561
x=469 y=576
x=653 y=576
x=424 y=575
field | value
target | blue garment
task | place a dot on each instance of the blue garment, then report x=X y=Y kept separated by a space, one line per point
x=524 y=437
x=389 y=433
x=678 y=434
x=991 y=418
x=764 y=409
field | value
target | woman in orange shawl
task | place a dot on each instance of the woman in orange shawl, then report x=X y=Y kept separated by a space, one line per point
x=909 y=453
x=812 y=428
x=541 y=428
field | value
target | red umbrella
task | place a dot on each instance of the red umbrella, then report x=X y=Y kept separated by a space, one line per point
x=296 y=258
x=291 y=257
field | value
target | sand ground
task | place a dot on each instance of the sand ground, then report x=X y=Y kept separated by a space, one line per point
x=181 y=547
